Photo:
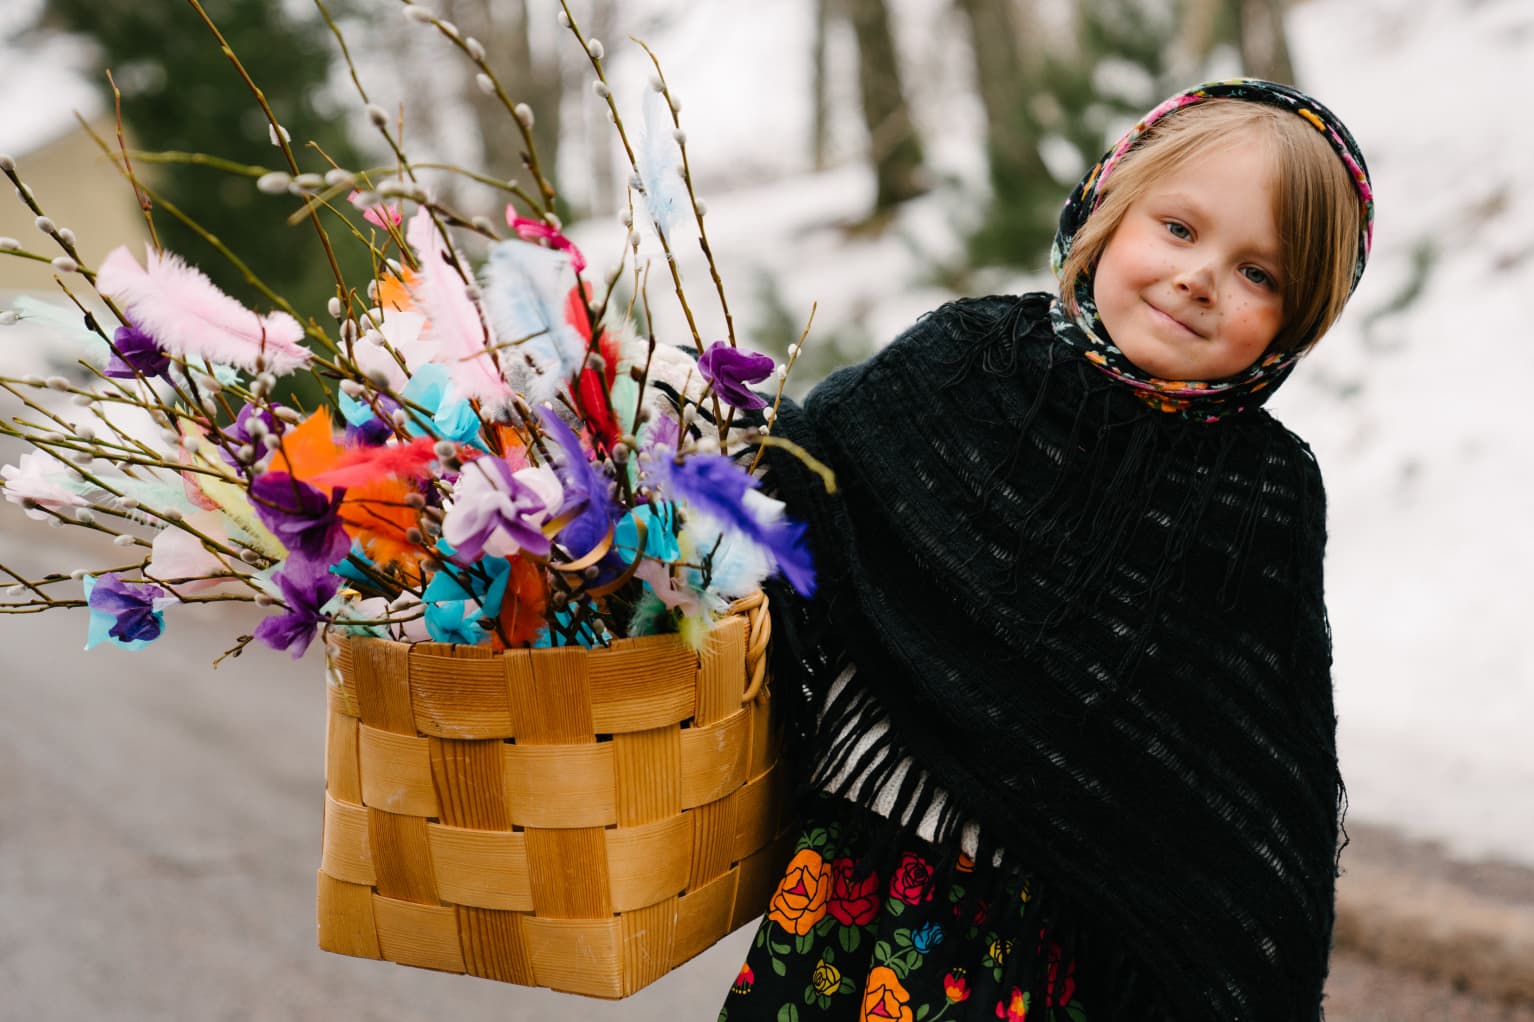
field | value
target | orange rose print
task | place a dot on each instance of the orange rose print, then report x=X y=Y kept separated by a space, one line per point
x=884 y=997
x=800 y=900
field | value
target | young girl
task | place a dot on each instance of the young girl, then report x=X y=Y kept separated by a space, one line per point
x=1064 y=696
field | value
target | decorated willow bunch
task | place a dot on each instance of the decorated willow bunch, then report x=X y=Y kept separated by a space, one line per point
x=502 y=456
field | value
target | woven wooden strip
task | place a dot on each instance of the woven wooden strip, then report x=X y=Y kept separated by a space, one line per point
x=346 y=852
x=425 y=936
x=647 y=775
x=550 y=696
x=758 y=813
x=381 y=672
x=714 y=758
x=759 y=876
x=647 y=943
x=338 y=674
x=402 y=857
x=649 y=863
x=396 y=772
x=342 y=778
x=344 y=913
x=471 y=784
x=722 y=671
x=641 y=684
x=713 y=842
x=568 y=870
x=561 y=785
x=575 y=955
x=482 y=868
x=766 y=737
x=459 y=692
x=493 y=945
x=702 y=917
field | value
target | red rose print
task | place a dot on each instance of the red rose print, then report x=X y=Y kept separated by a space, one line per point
x=853 y=902
x=912 y=882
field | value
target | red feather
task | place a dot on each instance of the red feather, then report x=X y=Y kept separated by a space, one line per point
x=361 y=465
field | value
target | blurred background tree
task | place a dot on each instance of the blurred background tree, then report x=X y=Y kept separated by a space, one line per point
x=181 y=93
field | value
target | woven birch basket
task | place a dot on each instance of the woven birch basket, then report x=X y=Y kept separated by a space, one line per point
x=585 y=820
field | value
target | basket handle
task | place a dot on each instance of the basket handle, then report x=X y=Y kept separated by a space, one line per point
x=758 y=632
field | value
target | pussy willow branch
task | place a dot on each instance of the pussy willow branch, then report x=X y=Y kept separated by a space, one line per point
x=692 y=195
x=545 y=187
x=144 y=204
x=278 y=133
x=628 y=149
x=777 y=401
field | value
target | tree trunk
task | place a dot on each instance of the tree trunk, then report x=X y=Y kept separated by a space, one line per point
x=1011 y=136
x=820 y=126
x=1264 y=44
x=893 y=143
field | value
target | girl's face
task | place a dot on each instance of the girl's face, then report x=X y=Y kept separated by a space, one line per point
x=1187 y=286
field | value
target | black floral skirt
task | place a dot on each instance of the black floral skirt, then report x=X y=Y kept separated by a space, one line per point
x=843 y=943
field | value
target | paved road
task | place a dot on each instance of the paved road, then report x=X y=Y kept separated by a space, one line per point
x=159 y=835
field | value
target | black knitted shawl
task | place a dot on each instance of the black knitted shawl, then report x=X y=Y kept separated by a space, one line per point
x=1099 y=630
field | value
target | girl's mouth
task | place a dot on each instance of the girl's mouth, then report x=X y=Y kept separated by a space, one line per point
x=1173 y=320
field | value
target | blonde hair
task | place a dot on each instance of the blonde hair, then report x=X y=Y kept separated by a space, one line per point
x=1316 y=206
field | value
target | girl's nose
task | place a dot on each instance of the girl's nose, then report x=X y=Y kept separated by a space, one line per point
x=1195 y=283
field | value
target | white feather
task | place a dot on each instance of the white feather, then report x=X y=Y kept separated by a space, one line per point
x=659 y=165
x=525 y=288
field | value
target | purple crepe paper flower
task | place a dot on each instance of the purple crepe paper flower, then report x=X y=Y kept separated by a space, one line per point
x=713 y=485
x=132 y=604
x=294 y=628
x=136 y=354
x=730 y=369
x=302 y=518
x=238 y=434
x=500 y=512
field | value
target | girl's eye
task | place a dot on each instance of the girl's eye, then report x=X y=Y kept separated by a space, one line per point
x=1260 y=277
x=1178 y=231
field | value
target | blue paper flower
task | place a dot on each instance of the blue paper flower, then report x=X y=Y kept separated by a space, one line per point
x=458 y=599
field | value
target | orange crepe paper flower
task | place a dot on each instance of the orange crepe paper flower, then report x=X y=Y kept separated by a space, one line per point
x=373 y=511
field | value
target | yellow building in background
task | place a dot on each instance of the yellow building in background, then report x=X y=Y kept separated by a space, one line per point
x=78 y=188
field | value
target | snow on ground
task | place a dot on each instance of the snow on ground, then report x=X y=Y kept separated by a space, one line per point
x=1414 y=407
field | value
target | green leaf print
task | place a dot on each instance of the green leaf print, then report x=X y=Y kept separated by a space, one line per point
x=847 y=986
x=882 y=953
x=824 y=926
x=1076 y=1013
x=923 y=1011
x=779 y=949
x=782 y=970
x=788 y=1013
x=803 y=943
x=818 y=837
x=894 y=906
x=903 y=937
x=849 y=937
x=822 y=1002
x=828 y=955
x=809 y=996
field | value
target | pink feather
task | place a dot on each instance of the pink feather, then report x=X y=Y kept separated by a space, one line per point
x=190 y=317
x=453 y=320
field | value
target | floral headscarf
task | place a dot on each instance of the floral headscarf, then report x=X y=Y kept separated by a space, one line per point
x=1203 y=401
